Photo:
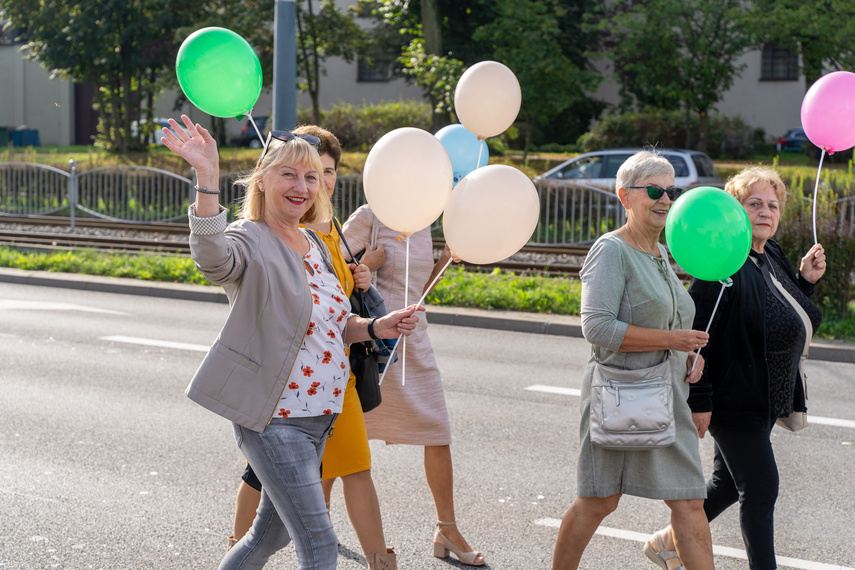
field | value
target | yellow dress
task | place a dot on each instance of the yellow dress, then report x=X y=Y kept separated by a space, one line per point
x=347 y=449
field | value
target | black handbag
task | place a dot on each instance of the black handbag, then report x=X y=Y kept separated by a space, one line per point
x=369 y=358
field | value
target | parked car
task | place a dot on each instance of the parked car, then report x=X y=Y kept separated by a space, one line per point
x=794 y=141
x=599 y=168
x=248 y=136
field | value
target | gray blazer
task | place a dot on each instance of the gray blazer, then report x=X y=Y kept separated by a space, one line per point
x=244 y=373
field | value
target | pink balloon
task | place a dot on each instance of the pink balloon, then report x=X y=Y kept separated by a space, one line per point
x=828 y=112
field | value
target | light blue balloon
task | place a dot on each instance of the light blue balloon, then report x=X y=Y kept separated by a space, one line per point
x=466 y=151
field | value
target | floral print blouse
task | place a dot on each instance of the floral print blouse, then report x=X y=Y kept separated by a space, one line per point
x=319 y=376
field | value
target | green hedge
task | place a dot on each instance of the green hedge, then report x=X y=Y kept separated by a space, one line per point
x=359 y=127
x=728 y=137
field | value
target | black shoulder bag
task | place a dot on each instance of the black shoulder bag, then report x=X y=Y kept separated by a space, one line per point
x=368 y=358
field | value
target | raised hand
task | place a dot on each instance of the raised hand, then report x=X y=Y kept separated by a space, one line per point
x=195 y=145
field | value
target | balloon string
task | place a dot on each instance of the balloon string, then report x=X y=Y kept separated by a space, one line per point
x=709 y=324
x=422 y=300
x=815 y=191
x=406 y=304
x=389 y=362
x=480 y=151
x=261 y=138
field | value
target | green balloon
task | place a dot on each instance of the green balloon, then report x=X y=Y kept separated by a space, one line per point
x=708 y=233
x=219 y=72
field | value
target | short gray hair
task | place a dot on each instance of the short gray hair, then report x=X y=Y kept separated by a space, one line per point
x=641 y=165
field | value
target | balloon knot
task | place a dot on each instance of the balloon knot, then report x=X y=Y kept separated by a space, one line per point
x=400 y=237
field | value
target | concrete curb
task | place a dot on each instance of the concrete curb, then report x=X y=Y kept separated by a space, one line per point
x=559 y=325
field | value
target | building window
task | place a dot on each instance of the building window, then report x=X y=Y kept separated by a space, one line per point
x=370 y=70
x=779 y=64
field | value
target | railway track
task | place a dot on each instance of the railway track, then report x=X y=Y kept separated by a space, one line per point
x=559 y=260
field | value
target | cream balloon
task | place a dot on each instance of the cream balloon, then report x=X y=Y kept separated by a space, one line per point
x=407 y=179
x=491 y=214
x=487 y=98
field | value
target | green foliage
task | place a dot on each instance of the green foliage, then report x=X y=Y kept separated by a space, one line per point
x=359 y=127
x=675 y=53
x=525 y=36
x=436 y=75
x=820 y=32
x=835 y=231
x=728 y=137
x=145 y=267
x=321 y=34
x=541 y=41
x=122 y=47
x=506 y=291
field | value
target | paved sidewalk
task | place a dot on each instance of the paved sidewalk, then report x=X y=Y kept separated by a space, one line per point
x=561 y=325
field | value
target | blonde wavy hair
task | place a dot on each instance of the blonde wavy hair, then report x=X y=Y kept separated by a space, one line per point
x=739 y=185
x=295 y=152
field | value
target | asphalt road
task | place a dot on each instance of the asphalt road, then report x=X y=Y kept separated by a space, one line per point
x=106 y=464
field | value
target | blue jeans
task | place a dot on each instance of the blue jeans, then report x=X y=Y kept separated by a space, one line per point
x=287 y=458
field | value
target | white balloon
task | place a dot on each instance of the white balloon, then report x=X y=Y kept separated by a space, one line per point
x=491 y=214
x=487 y=98
x=407 y=179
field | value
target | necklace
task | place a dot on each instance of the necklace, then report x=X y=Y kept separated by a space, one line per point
x=635 y=241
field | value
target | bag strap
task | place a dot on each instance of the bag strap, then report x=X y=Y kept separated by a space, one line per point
x=344 y=241
x=322 y=247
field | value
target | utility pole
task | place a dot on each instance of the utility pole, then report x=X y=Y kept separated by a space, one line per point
x=285 y=65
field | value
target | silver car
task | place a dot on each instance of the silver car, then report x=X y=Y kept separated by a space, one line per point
x=599 y=168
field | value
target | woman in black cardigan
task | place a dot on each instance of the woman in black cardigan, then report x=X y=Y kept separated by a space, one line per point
x=752 y=373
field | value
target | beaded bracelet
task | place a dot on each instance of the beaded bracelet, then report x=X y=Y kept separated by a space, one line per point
x=204 y=190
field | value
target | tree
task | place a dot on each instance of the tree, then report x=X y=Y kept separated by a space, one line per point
x=526 y=37
x=546 y=35
x=117 y=45
x=322 y=34
x=676 y=52
x=822 y=32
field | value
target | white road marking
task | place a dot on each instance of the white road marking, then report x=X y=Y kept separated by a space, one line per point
x=12 y=304
x=717 y=550
x=554 y=390
x=158 y=343
x=818 y=420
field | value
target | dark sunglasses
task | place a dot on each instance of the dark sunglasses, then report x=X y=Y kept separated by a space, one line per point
x=655 y=192
x=287 y=136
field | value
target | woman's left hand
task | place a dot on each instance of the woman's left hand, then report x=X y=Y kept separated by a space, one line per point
x=813 y=264
x=361 y=276
x=400 y=322
x=693 y=375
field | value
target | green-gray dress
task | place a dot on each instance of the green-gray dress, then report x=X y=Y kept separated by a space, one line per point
x=622 y=285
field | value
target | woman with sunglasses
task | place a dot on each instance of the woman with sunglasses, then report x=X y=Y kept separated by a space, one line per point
x=761 y=330
x=635 y=313
x=278 y=368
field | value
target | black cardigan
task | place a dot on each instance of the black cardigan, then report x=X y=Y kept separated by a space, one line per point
x=735 y=383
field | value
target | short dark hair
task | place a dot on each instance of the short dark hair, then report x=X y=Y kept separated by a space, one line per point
x=329 y=143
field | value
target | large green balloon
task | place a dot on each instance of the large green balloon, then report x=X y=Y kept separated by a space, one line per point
x=708 y=233
x=219 y=72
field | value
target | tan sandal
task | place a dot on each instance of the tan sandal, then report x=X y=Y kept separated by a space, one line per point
x=654 y=549
x=442 y=545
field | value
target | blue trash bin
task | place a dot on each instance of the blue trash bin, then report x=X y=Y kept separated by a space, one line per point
x=26 y=137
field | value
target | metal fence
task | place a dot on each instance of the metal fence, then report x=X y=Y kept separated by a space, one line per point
x=569 y=213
